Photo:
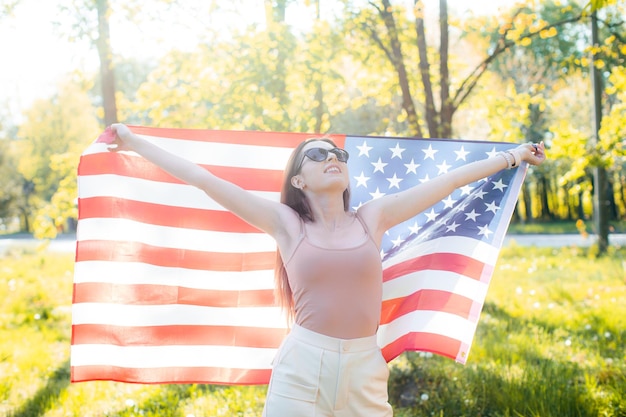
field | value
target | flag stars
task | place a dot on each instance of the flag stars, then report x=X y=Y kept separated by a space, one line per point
x=443 y=167
x=425 y=179
x=364 y=149
x=429 y=153
x=397 y=241
x=461 y=154
x=361 y=180
x=448 y=202
x=484 y=231
x=379 y=166
x=415 y=228
x=377 y=194
x=397 y=151
x=452 y=227
x=472 y=215
x=492 y=207
x=466 y=190
x=492 y=153
x=394 y=181
x=499 y=185
x=412 y=167
x=431 y=215
x=480 y=194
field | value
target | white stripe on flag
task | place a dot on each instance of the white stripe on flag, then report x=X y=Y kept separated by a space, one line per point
x=123 y=230
x=434 y=322
x=176 y=314
x=172 y=356
x=133 y=273
x=155 y=192
x=434 y=280
x=466 y=246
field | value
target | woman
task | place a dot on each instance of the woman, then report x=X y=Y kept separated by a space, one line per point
x=329 y=274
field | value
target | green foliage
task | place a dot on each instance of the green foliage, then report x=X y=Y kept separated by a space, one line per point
x=49 y=145
x=11 y=185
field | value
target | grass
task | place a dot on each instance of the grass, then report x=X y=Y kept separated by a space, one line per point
x=561 y=227
x=550 y=343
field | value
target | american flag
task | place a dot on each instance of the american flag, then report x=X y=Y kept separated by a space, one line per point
x=171 y=288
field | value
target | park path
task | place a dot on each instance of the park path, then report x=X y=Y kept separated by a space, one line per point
x=67 y=243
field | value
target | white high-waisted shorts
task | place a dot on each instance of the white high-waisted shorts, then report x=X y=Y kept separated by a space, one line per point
x=315 y=375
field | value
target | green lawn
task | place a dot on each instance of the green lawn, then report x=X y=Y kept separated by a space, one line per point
x=551 y=342
x=558 y=227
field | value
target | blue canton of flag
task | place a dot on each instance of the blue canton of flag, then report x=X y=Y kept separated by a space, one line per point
x=381 y=166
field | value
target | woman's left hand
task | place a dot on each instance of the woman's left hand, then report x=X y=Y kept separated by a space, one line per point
x=533 y=153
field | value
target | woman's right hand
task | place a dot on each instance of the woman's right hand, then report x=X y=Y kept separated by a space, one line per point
x=122 y=137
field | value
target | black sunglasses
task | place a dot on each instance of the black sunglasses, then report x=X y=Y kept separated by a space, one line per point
x=321 y=154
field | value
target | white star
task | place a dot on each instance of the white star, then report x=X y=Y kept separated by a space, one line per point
x=361 y=180
x=471 y=215
x=452 y=227
x=425 y=179
x=397 y=241
x=355 y=208
x=397 y=151
x=448 y=202
x=415 y=228
x=492 y=207
x=412 y=167
x=480 y=194
x=432 y=215
x=443 y=168
x=492 y=152
x=499 y=185
x=379 y=166
x=461 y=154
x=429 y=153
x=364 y=149
x=484 y=230
x=466 y=190
x=377 y=194
x=394 y=181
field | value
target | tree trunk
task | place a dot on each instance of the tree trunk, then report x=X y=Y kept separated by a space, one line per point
x=106 y=63
x=622 y=194
x=528 y=203
x=546 y=212
x=600 y=203
x=397 y=59
x=424 y=68
x=447 y=109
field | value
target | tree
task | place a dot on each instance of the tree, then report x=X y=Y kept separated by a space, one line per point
x=105 y=53
x=55 y=132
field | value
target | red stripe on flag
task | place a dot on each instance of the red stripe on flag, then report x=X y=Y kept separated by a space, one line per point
x=443 y=261
x=428 y=342
x=137 y=167
x=191 y=335
x=179 y=375
x=104 y=250
x=162 y=215
x=431 y=300
x=150 y=294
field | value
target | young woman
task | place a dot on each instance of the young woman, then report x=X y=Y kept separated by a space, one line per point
x=329 y=272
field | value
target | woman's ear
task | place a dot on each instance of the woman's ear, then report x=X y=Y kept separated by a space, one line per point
x=297 y=182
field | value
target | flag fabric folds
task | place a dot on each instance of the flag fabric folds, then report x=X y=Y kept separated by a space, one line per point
x=171 y=288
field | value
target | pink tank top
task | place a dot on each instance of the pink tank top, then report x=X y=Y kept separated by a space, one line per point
x=337 y=292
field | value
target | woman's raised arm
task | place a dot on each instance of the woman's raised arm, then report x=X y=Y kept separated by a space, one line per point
x=262 y=213
x=392 y=209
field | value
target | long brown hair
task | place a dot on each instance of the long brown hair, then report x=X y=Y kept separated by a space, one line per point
x=296 y=199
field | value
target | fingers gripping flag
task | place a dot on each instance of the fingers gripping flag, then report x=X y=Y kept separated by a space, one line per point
x=171 y=288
